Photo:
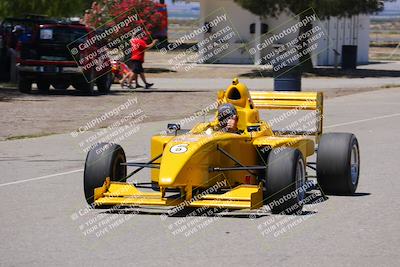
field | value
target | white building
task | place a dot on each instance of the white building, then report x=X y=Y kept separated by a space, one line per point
x=338 y=32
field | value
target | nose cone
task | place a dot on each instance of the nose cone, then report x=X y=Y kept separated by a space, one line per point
x=175 y=156
x=178 y=159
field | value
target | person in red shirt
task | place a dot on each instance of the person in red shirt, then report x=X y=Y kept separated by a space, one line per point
x=139 y=46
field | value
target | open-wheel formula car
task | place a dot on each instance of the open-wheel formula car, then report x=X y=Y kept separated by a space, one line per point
x=245 y=169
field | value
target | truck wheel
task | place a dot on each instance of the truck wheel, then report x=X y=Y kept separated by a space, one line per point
x=338 y=163
x=102 y=161
x=284 y=180
x=104 y=83
x=43 y=86
x=24 y=85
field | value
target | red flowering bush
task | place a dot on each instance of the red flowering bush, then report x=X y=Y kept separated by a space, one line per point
x=110 y=12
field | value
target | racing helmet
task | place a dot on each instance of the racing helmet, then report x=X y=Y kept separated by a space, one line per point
x=225 y=112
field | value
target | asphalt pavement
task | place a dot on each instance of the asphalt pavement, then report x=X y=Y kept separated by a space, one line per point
x=45 y=222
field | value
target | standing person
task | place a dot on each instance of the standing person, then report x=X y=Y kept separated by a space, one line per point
x=139 y=46
x=17 y=35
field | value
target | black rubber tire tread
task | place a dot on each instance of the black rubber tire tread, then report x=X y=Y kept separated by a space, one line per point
x=333 y=163
x=280 y=180
x=102 y=161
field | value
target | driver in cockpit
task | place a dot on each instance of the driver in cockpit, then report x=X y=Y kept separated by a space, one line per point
x=228 y=118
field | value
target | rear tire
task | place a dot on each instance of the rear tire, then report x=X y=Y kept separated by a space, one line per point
x=338 y=163
x=24 y=85
x=103 y=161
x=284 y=181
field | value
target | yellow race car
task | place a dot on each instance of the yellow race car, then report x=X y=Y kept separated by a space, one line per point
x=243 y=168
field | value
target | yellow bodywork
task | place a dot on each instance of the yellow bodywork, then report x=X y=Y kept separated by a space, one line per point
x=186 y=159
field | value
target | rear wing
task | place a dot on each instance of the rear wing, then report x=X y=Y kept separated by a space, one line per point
x=292 y=100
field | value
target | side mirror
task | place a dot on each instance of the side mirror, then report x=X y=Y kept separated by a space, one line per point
x=173 y=127
x=255 y=128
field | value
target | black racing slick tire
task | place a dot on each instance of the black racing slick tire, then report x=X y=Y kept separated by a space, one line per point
x=338 y=163
x=284 y=180
x=102 y=161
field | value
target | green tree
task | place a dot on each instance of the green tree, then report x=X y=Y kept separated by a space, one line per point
x=322 y=8
x=51 y=8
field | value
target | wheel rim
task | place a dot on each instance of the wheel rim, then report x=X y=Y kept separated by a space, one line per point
x=300 y=179
x=354 y=164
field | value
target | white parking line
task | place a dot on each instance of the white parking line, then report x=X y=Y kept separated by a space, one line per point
x=40 y=178
x=364 y=120
x=49 y=176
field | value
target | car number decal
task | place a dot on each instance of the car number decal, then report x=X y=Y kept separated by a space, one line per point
x=179 y=149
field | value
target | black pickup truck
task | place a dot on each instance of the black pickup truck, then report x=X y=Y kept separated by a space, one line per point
x=45 y=59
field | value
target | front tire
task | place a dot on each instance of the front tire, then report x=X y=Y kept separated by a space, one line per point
x=338 y=163
x=102 y=161
x=284 y=180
